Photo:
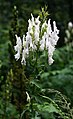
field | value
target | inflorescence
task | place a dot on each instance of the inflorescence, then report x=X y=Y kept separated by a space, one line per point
x=37 y=36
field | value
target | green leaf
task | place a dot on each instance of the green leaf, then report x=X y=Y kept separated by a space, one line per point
x=46 y=107
x=44 y=75
x=36 y=84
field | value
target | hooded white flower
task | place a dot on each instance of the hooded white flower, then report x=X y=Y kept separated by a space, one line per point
x=17 y=56
x=70 y=25
x=44 y=25
x=50 y=49
x=24 y=41
x=37 y=30
x=37 y=21
x=55 y=28
x=50 y=60
x=53 y=39
x=43 y=42
x=49 y=29
x=30 y=27
x=23 y=61
x=32 y=20
x=18 y=47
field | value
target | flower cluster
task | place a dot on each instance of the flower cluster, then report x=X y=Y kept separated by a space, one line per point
x=70 y=25
x=37 y=34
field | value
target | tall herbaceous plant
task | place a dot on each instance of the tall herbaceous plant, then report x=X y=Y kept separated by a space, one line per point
x=30 y=54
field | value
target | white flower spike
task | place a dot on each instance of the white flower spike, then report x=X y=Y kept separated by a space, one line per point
x=33 y=38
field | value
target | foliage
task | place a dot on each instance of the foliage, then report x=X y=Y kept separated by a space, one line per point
x=41 y=104
x=19 y=78
x=44 y=81
x=8 y=111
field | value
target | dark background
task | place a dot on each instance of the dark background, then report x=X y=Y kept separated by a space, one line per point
x=61 y=72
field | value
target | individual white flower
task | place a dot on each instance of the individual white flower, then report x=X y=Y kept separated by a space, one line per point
x=17 y=56
x=27 y=51
x=31 y=45
x=70 y=25
x=50 y=60
x=55 y=28
x=23 y=61
x=30 y=30
x=19 y=42
x=31 y=24
x=37 y=21
x=24 y=42
x=50 y=49
x=43 y=42
x=32 y=20
x=25 y=54
x=42 y=45
x=44 y=25
x=37 y=30
x=54 y=38
x=18 y=47
x=29 y=40
x=36 y=37
x=28 y=97
x=49 y=29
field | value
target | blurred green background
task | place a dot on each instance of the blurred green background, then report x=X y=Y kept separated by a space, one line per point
x=60 y=74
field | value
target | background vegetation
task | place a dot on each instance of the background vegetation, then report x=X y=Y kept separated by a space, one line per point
x=58 y=76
